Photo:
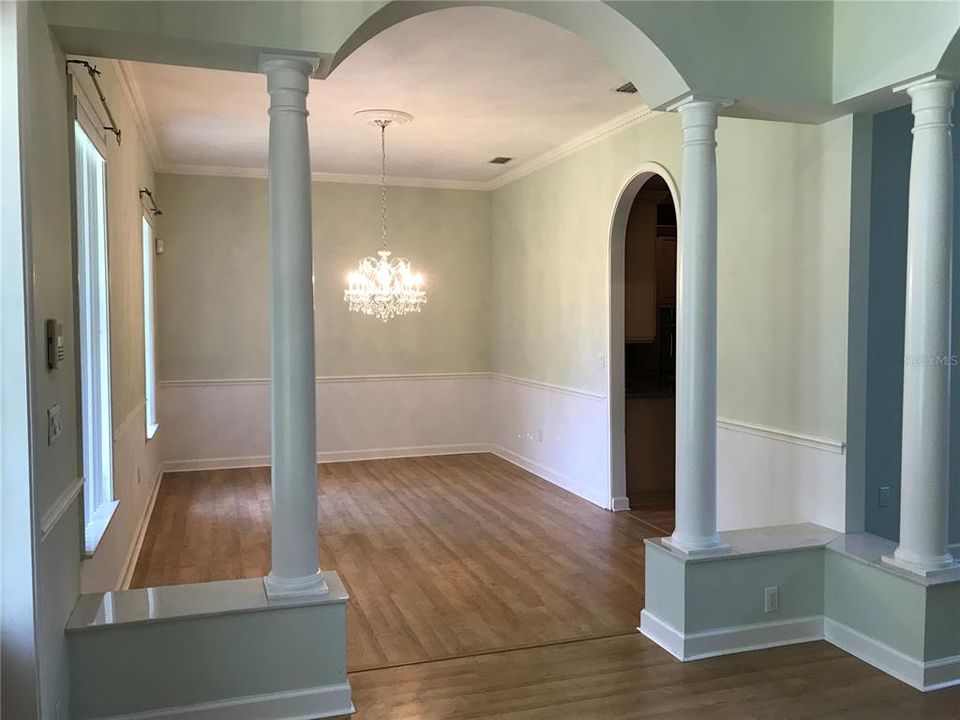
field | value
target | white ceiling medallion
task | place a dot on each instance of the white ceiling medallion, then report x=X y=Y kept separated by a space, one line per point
x=381 y=286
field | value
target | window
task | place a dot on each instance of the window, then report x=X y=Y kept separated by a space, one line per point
x=149 y=330
x=93 y=305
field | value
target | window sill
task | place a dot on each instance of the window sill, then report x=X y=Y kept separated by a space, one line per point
x=152 y=430
x=97 y=527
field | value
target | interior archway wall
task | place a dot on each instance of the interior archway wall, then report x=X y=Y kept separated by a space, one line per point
x=616 y=309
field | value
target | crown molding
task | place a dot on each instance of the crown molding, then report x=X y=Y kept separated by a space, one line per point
x=581 y=142
x=131 y=91
x=345 y=178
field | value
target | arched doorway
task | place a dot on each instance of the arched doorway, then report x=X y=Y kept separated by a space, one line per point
x=643 y=244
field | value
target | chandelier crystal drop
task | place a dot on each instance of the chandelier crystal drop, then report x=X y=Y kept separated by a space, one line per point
x=384 y=286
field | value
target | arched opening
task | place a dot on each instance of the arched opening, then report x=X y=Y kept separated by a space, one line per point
x=643 y=272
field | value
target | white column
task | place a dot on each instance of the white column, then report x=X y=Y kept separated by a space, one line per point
x=696 y=370
x=924 y=467
x=294 y=567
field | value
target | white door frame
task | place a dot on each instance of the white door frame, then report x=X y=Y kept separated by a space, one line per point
x=616 y=404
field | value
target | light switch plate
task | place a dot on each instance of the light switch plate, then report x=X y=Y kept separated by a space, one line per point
x=54 y=424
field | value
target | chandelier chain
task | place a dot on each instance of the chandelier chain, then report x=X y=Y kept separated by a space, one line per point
x=383 y=181
x=384 y=286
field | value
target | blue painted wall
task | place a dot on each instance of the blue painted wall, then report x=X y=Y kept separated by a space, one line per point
x=890 y=177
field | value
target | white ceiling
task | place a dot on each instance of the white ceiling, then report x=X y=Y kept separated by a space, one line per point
x=480 y=82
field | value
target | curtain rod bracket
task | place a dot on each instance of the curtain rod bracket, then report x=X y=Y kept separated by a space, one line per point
x=153 y=209
x=94 y=74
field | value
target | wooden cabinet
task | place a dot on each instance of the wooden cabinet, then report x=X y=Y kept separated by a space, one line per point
x=640 y=274
x=666 y=270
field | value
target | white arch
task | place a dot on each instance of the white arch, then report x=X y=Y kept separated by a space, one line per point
x=630 y=49
x=616 y=404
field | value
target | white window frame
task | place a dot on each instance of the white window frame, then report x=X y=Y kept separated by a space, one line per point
x=148 y=241
x=93 y=313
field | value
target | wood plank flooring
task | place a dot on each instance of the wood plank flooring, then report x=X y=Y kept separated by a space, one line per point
x=443 y=556
x=629 y=677
x=480 y=591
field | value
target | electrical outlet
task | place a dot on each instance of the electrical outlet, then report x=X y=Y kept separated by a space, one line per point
x=601 y=361
x=540 y=435
x=885 y=496
x=771 y=599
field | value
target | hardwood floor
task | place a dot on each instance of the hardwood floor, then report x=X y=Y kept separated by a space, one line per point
x=630 y=677
x=480 y=591
x=443 y=557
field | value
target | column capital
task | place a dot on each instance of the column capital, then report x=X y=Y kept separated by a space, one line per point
x=936 y=83
x=693 y=101
x=291 y=69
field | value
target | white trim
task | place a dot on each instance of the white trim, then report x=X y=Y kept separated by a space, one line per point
x=662 y=633
x=620 y=503
x=131 y=91
x=811 y=441
x=129 y=418
x=581 y=142
x=616 y=268
x=336 y=456
x=319 y=702
x=133 y=554
x=925 y=676
x=324 y=177
x=60 y=506
x=401 y=452
x=552 y=476
x=729 y=640
x=223 y=463
x=327 y=379
x=548 y=386
x=97 y=526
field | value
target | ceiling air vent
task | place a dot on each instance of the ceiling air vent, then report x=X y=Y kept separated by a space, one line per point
x=500 y=160
x=627 y=89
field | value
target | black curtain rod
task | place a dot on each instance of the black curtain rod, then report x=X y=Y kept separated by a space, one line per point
x=94 y=74
x=153 y=210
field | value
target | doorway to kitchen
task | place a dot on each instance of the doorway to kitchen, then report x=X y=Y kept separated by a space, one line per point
x=643 y=348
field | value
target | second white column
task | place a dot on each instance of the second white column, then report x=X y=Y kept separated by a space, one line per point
x=294 y=565
x=696 y=371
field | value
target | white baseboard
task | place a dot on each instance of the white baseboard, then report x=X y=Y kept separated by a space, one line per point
x=130 y=563
x=729 y=640
x=620 y=503
x=327 y=457
x=321 y=702
x=551 y=476
x=401 y=452
x=930 y=675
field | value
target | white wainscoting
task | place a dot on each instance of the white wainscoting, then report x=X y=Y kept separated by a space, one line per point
x=773 y=477
x=226 y=423
x=765 y=476
x=557 y=433
x=136 y=473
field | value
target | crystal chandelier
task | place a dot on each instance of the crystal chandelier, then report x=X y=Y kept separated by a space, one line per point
x=382 y=286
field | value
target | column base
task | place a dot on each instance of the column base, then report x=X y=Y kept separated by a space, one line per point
x=698 y=547
x=278 y=588
x=921 y=565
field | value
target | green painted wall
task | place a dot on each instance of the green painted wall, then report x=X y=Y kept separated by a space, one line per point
x=213 y=279
x=783 y=263
x=45 y=133
x=876 y=603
